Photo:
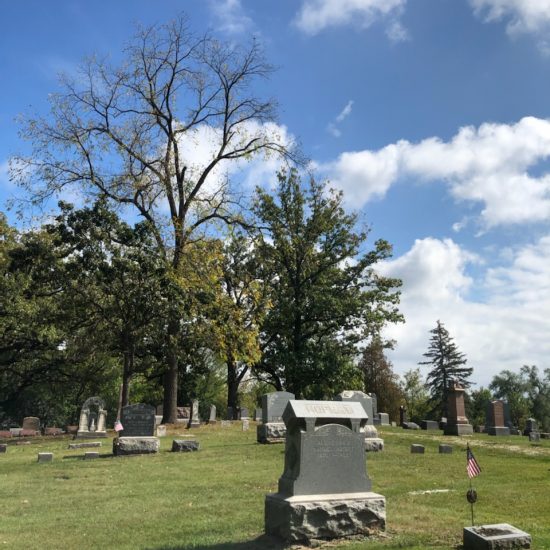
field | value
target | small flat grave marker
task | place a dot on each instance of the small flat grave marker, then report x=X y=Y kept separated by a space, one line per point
x=3 y=448
x=417 y=449
x=90 y=455
x=445 y=449
x=45 y=457
x=185 y=445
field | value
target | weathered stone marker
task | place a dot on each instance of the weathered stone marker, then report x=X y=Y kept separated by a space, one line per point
x=194 y=421
x=30 y=426
x=457 y=423
x=384 y=419
x=497 y=536
x=185 y=445
x=417 y=449
x=445 y=449
x=324 y=491
x=88 y=444
x=89 y=455
x=494 y=423
x=212 y=417
x=93 y=418
x=137 y=437
x=45 y=457
x=273 y=429
x=3 y=448
x=246 y=425
x=429 y=425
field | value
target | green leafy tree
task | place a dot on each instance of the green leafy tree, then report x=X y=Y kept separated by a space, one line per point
x=379 y=377
x=447 y=364
x=476 y=406
x=325 y=295
x=415 y=392
x=125 y=134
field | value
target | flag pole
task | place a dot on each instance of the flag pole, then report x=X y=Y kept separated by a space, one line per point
x=472 y=503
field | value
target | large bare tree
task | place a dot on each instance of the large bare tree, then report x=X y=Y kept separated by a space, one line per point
x=130 y=133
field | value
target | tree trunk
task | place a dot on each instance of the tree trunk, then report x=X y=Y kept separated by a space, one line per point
x=126 y=377
x=232 y=387
x=170 y=402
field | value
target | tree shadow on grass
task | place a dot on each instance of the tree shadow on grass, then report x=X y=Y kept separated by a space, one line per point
x=264 y=542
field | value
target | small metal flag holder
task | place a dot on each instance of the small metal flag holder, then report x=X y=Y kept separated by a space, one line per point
x=471 y=496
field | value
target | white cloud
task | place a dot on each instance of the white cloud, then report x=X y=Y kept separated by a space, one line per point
x=505 y=330
x=230 y=16
x=344 y=113
x=317 y=15
x=522 y=16
x=488 y=165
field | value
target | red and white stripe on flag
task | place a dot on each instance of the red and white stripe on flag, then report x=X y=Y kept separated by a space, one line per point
x=472 y=467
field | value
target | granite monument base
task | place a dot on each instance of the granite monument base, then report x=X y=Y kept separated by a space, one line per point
x=271 y=432
x=458 y=429
x=90 y=435
x=135 y=445
x=310 y=517
x=497 y=430
x=501 y=536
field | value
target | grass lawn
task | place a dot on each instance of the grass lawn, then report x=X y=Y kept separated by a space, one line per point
x=214 y=499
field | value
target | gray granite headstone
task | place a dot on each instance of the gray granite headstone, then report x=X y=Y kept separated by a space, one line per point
x=185 y=445
x=374 y=404
x=3 y=448
x=417 y=449
x=324 y=450
x=273 y=405
x=534 y=436
x=258 y=415
x=243 y=413
x=45 y=457
x=403 y=417
x=384 y=419
x=531 y=426
x=138 y=420
x=429 y=425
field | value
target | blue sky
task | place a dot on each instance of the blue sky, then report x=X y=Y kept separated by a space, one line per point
x=433 y=116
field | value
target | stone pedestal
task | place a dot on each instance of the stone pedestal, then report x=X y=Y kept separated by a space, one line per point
x=272 y=432
x=498 y=430
x=302 y=518
x=45 y=457
x=135 y=445
x=501 y=536
x=185 y=445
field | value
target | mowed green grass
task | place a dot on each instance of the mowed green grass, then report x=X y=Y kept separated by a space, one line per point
x=214 y=499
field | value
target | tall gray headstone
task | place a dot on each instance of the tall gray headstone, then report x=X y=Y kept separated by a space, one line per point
x=324 y=475
x=273 y=429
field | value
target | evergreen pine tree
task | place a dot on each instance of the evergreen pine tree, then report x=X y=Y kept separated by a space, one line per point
x=448 y=364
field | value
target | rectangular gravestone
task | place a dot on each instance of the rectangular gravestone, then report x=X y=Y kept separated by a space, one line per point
x=258 y=415
x=194 y=420
x=359 y=397
x=495 y=423
x=31 y=424
x=243 y=413
x=384 y=419
x=374 y=399
x=324 y=475
x=273 y=405
x=229 y=414
x=272 y=429
x=531 y=426
x=429 y=425
x=138 y=420
x=3 y=448
x=212 y=417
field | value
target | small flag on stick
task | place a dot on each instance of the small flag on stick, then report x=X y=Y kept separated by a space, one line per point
x=118 y=426
x=472 y=467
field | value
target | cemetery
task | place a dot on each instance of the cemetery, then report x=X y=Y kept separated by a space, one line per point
x=212 y=487
x=206 y=341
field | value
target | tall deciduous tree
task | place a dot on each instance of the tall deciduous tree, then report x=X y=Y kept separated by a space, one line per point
x=129 y=134
x=447 y=364
x=325 y=294
x=379 y=377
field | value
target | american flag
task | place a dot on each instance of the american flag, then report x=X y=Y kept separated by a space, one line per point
x=118 y=426
x=472 y=467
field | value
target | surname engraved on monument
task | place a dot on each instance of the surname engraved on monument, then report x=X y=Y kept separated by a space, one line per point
x=329 y=408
